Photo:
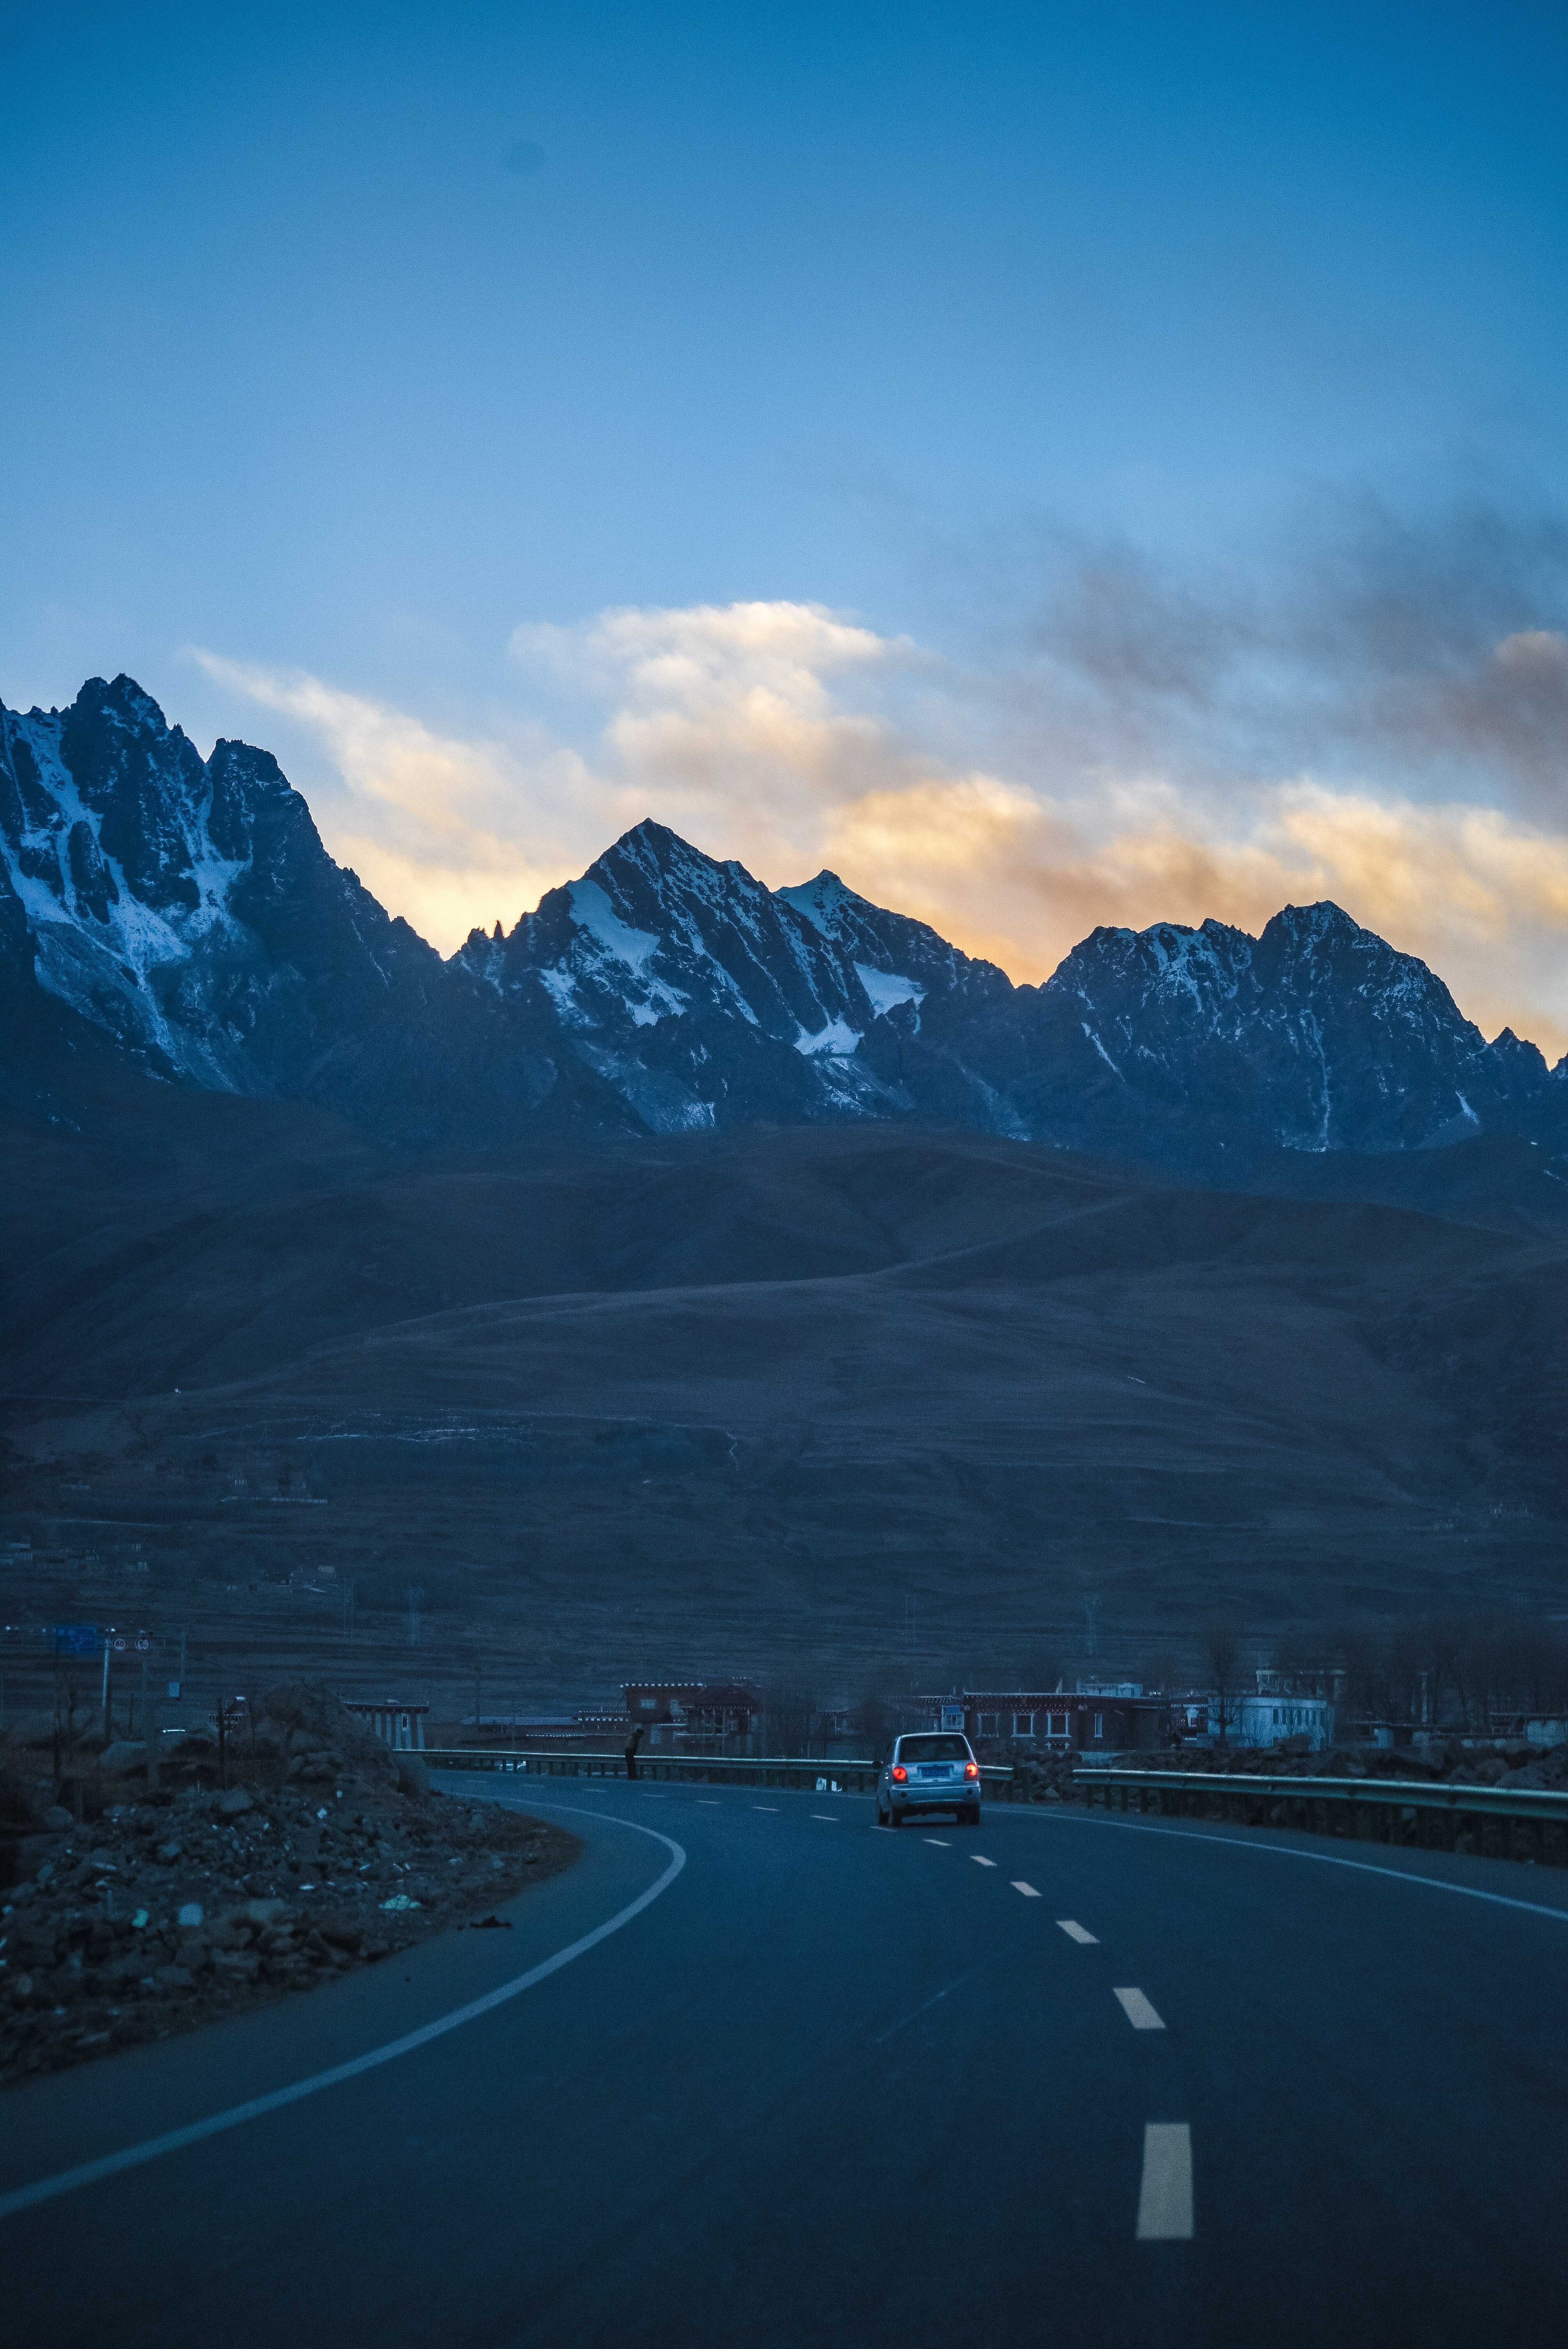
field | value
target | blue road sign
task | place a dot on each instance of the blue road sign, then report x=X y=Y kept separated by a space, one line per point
x=76 y=1640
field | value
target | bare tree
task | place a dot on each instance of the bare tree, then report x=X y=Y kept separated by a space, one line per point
x=790 y=1713
x=873 y=1724
x=1221 y=1663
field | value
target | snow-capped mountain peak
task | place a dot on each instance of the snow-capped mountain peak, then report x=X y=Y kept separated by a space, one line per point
x=187 y=910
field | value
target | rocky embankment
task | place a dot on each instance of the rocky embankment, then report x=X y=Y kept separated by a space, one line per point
x=1049 y=1777
x=167 y=1906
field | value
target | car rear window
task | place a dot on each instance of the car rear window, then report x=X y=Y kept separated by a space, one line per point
x=932 y=1749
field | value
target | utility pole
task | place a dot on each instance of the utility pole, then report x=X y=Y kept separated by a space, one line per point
x=149 y=1725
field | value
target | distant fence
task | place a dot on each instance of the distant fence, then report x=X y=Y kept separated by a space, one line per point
x=1531 y=1823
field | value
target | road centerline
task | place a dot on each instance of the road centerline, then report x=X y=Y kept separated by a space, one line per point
x=1165 y=2190
x=1138 y=2010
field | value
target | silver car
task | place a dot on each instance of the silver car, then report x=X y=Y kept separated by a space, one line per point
x=935 y=1770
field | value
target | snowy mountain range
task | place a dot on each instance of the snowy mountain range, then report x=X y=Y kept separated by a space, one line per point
x=181 y=916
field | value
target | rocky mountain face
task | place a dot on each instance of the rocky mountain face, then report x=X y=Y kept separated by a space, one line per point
x=183 y=915
x=186 y=912
x=1317 y=1035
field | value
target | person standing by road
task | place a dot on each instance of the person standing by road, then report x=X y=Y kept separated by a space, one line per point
x=633 y=1743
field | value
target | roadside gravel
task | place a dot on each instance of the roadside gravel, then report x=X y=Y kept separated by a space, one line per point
x=176 y=1905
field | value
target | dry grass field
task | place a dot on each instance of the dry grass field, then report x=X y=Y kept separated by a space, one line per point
x=859 y=1405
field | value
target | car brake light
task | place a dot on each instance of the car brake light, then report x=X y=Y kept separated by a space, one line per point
x=898 y=1773
x=972 y=1769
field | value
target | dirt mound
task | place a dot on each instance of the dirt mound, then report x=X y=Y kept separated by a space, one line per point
x=168 y=1906
x=316 y=1737
x=298 y=1848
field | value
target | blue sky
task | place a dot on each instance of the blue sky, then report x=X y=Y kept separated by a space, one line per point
x=1059 y=463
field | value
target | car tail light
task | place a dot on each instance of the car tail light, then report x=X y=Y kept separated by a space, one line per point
x=898 y=1773
x=972 y=1769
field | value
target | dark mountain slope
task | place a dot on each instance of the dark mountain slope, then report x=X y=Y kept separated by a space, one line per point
x=1136 y=1399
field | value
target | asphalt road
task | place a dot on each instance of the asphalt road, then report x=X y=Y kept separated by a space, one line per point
x=834 y=2085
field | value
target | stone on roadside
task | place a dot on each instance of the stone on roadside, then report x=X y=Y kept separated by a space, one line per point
x=263 y=1912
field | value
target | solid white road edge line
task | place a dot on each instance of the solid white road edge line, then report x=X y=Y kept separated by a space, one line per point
x=45 y=2189
x=1075 y=1932
x=1027 y=1890
x=1165 y=2195
x=1323 y=1860
x=1138 y=2010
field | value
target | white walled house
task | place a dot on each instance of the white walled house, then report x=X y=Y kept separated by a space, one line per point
x=1273 y=1714
x=401 y=1726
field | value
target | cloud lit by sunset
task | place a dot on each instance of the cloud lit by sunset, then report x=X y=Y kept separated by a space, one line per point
x=791 y=736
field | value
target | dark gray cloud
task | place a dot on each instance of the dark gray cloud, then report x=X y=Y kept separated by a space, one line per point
x=1427 y=649
x=524 y=156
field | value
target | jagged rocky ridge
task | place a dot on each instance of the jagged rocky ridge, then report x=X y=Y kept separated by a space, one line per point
x=184 y=915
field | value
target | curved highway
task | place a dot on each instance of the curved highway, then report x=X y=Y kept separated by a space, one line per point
x=756 y=2072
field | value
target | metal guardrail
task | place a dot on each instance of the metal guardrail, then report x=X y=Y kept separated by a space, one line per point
x=1531 y=1823
x=853 y=1777
x=1528 y=1823
x=783 y=1770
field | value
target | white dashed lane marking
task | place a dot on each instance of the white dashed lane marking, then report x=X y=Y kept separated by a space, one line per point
x=979 y=1862
x=707 y=1803
x=832 y=1816
x=937 y=1841
x=1075 y=1932
x=1027 y=1890
x=1165 y=2196
x=1138 y=2010
x=772 y=1808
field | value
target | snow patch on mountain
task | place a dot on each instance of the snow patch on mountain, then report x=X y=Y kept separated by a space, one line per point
x=838 y=1036
x=590 y=909
x=886 y=990
x=822 y=901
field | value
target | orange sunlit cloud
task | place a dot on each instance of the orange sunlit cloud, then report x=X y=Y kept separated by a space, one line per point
x=776 y=733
